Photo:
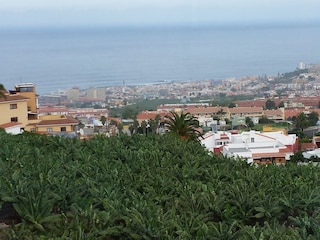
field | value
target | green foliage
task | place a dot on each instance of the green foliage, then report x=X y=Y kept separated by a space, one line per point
x=265 y=120
x=301 y=121
x=270 y=104
x=150 y=187
x=313 y=118
x=2 y=90
x=287 y=77
x=183 y=125
x=103 y=120
x=131 y=111
x=281 y=104
x=297 y=157
x=249 y=122
x=223 y=100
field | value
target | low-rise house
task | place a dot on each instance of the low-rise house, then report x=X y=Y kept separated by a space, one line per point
x=276 y=114
x=148 y=115
x=205 y=114
x=250 y=112
x=214 y=141
x=12 y=128
x=53 y=110
x=257 y=147
x=88 y=112
x=53 y=124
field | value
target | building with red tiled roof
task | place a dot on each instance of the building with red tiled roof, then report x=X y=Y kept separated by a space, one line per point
x=276 y=114
x=51 y=124
x=148 y=115
x=12 y=127
x=292 y=112
x=258 y=147
x=246 y=112
x=88 y=112
x=53 y=110
x=308 y=146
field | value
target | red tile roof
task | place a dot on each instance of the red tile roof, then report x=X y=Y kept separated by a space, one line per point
x=251 y=103
x=246 y=110
x=273 y=112
x=12 y=97
x=267 y=155
x=53 y=109
x=62 y=121
x=208 y=110
x=292 y=112
x=147 y=115
x=308 y=146
x=10 y=124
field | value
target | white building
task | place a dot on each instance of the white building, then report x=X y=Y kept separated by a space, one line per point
x=12 y=128
x=255 y=146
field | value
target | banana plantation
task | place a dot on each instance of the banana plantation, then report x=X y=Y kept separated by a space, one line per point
x=148 y=187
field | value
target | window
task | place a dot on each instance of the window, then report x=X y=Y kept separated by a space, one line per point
x=49 y=129
x=32 y=129
x=13 y=106
x=25 y=89
x=63 y=129
x=14 y=119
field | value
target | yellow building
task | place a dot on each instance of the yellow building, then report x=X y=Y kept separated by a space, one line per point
x=51 y=124
x=21 y=107
x=29 y=90
x=13 y=108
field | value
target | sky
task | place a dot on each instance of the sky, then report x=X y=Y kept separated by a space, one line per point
x=33 y=13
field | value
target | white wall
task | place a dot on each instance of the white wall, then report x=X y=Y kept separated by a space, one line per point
x=13 y=130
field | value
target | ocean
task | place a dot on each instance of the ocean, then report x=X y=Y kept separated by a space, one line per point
x=60 y=58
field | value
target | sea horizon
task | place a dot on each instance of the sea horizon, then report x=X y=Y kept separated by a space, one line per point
x=60 y=58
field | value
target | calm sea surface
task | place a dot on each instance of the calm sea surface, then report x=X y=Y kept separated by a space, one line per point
x=62 y=58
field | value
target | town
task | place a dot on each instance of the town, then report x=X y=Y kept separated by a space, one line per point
x=233 y=128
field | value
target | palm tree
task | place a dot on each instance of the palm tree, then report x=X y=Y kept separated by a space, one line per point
x=183 y=124
x=2 y=91
x=301 y=121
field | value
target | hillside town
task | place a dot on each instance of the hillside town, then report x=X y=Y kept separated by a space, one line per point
x=227 y=130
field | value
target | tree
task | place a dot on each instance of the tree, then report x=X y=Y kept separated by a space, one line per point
x=2 y=91
x=103 y=120
x=301 y=121
x=153 y=123
x=265 y=120
x=231 y=105
x=128 y=113
x=144 y=126
x=183 y=125
x=249 y=122
x=297 y=157
x=135 y=126
x=131 y=129
x=221 y=112
x=313 y=118
x=270 y=104
x=281 y=104
x=120 y=128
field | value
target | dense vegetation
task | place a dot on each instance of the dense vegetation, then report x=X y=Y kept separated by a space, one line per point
x=150 y=187
x=287 y=77
x=130 y=111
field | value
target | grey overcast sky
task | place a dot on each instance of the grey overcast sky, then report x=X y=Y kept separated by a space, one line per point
x=19 y=13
